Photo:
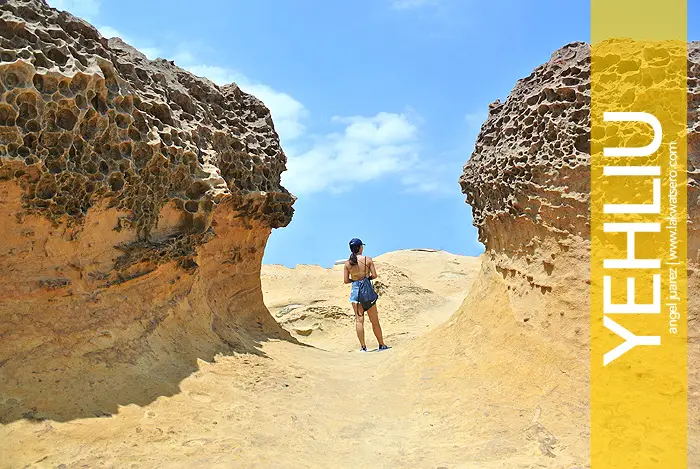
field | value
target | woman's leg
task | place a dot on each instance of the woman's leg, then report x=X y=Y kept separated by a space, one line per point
x=374 y=319
x=359 y=322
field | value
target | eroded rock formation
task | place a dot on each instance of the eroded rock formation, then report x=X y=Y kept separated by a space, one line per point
x=530 y=164
x=528 y=182
x=136 y=200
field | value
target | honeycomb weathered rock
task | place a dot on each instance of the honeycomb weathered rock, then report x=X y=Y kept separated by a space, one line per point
x=528 y=182
x=530 y=164
x=84 y=119
x=529 y=176
x=136 y=200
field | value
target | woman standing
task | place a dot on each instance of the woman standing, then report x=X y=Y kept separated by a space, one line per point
x=357 y=267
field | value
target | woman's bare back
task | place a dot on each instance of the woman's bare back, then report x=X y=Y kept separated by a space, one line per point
x=359 y=270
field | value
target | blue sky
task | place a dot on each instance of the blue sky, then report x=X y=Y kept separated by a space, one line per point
x=377 y=102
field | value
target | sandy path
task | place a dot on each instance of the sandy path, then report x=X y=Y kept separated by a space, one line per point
x=296 y=407
x=293 y=406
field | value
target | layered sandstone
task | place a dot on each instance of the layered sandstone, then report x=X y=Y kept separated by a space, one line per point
x=136 y=201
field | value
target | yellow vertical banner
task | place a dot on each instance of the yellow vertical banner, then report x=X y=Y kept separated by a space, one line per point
x=638 y=234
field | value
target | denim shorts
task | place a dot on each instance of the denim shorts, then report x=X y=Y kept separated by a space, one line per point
x=355 y=293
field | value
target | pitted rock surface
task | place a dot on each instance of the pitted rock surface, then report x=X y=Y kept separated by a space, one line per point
x=85 y=120
x=530 y=164
x=136 y=200
x=528 y=178
x=528 y=183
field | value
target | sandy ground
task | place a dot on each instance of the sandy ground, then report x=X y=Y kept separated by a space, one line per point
x=324 y=405
x=418 y=290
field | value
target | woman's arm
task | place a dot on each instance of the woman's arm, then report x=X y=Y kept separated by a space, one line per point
x=372 y=269
x=346 y=274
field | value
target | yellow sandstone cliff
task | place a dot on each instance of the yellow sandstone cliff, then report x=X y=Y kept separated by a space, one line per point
x=136 y=200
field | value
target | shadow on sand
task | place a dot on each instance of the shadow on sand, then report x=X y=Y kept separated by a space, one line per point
x=67 y=388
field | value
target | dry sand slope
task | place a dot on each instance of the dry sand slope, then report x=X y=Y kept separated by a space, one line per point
x=435 y=400
x=418 y=289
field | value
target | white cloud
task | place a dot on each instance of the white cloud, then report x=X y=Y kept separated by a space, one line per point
x=150 y=52
x=89 y=10
x=408 y=4
x=288 y=114
x=110 y=32
x=184 y=56
x=86 y=9
x=368 y=148
x=434 y=178
x=219 y=75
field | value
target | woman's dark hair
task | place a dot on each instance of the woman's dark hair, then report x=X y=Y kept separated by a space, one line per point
x=353 y=254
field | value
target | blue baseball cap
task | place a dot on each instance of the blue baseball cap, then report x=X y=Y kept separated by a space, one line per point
x=356 y=243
